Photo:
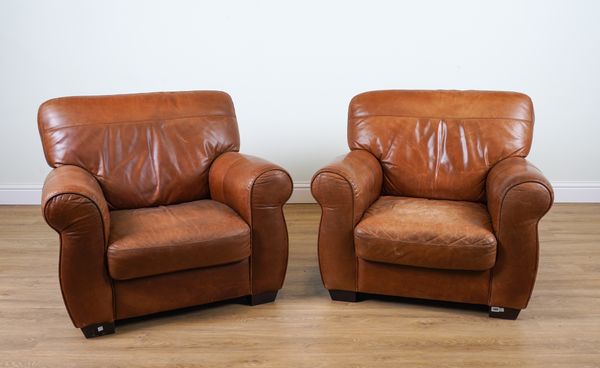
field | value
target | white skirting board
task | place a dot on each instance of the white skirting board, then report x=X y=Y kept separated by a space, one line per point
x=20 y=193
x=564 y=191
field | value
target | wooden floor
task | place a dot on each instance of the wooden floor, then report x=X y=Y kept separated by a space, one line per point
x=304 y=328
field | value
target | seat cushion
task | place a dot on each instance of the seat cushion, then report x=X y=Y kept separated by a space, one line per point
x=152 y=241
x=428 y=233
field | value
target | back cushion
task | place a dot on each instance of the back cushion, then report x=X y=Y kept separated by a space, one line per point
x=144 y=149
x=440 y=144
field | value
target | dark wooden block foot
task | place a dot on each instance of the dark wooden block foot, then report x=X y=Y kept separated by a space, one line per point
x=262 y=298
x=98 y=329
x=343 y=295
x=504 y=313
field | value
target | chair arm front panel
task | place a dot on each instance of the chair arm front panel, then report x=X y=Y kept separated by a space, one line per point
x=518 y=196
x=257 y=190
x=74 y=206
x=344 y=189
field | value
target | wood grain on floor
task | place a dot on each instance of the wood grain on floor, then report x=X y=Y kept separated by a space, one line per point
x=304 y=328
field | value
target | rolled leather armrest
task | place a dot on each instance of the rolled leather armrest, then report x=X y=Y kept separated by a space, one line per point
x=513 y=175
x=345 y=189
x=518 y=196
x=74 y=206
x=257 y=190
x=359 y=170
x=66 y=184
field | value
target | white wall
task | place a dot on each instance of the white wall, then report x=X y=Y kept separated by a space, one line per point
x=292 y=68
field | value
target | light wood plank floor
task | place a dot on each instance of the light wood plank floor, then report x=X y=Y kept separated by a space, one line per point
x=304 y=328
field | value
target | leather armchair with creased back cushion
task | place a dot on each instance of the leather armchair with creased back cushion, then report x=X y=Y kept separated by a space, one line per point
x=156 y=209
x=435 y=200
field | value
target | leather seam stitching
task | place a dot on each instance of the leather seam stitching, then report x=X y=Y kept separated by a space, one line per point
x=134 y=122
x=537 y=242
x=319 y=233
x=385 y=262
x=186 y=244
x=225 y=263
x=438 y=117
x=427 y=244
x=192 y=269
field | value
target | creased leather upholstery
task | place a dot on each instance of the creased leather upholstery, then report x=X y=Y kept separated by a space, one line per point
x=440 y=204
x=440 y=144
x=144 y=149
x=130 y=196
x=428 y=233
x=257 y=190
x=152 y=241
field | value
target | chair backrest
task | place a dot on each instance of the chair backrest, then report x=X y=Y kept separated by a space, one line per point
x=145 y=149
x=440 y=144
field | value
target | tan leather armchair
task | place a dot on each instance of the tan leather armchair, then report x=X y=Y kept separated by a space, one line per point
x=156 y=209
x=435 y=200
